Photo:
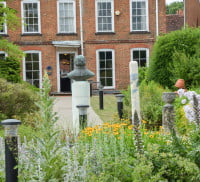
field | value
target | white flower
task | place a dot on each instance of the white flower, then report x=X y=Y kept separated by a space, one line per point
x=184 y=101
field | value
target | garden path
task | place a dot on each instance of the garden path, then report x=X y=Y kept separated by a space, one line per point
x=63 y=107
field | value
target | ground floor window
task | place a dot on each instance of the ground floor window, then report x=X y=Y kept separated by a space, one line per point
x=32 y=68
x=141 y=55
x=2 y=55
x=105 y=67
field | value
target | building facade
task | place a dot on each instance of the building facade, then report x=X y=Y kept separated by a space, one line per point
x=109 y=33
x=192 y=13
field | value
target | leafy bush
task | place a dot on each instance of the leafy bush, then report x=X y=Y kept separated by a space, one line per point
x=151 y=103
x=10 y=69
x=16 y=100
x=187 y=68
x=185 y=41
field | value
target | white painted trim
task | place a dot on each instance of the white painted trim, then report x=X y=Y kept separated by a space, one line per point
x=58 y=14
x=22 y=16
x=96 y=15
x=40 y=66
x=5 y=25
x=58 y=65
x=113 y=64
x=147 y=14
x=141 y=49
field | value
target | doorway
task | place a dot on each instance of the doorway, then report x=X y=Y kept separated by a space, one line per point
x=66 y=65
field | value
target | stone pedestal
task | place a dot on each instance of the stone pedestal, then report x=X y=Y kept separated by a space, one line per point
x=80 y=96
x=168 y=111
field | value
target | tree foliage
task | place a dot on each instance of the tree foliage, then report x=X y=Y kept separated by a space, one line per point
x=10 y=69
x=186 y=41
x=174 y=7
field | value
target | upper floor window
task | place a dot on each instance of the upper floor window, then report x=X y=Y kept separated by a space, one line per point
x=141 y=55
x=3 y=27
x=139 y=15
x=32 y=68
x=66 y=16
x=106 y=67
x=104 y=16
x=31 y=16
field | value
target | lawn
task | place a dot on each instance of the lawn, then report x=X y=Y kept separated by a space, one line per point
x=109 y=113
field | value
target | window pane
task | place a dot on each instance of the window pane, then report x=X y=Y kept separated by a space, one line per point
x=109 y=82
x=142 y=54
x=109 y=73
x=102 y=55
x=102 y=74
x=135 y=54
x=102 y=64
x=29 y=66
x=28 y=75
x=109 y=64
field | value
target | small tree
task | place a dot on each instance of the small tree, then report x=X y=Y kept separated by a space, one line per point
x=174 y=7
x=186 y=41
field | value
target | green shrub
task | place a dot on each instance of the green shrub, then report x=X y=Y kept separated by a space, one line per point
x=184 y=41
x=173 y=167
x=16 y=100
x=10 y=69
x=151 y=103
x=187 y=68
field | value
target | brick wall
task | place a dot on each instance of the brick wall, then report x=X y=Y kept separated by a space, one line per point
x=174 y=22
x=192 y=13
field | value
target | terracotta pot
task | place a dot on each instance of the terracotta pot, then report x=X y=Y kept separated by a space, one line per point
x=180 y=83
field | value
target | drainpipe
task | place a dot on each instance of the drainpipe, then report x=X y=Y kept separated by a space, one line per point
x=184 y=13
x=81 y=25
x=157 y=30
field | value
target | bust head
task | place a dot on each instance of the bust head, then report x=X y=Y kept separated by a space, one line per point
x=79 y=61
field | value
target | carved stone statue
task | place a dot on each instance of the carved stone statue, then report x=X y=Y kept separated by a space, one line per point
x=80 y=73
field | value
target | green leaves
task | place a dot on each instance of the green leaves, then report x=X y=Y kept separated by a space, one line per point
x=185 y=41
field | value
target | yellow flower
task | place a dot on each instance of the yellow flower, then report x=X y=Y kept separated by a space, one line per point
x=146 y=133
x=130 y=127
x=151 y=136
x=116 y=133
x=144 y=122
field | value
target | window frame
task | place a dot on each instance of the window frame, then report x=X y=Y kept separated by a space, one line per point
x=58 y=16
x=112 y=16
x=40 y=65
x=147 y=16
x=22 y=16
x=141 y=49
x=113 y=66
x=5 y=31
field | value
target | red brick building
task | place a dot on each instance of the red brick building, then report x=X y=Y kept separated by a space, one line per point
x=109 y=33
x=192 y=13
